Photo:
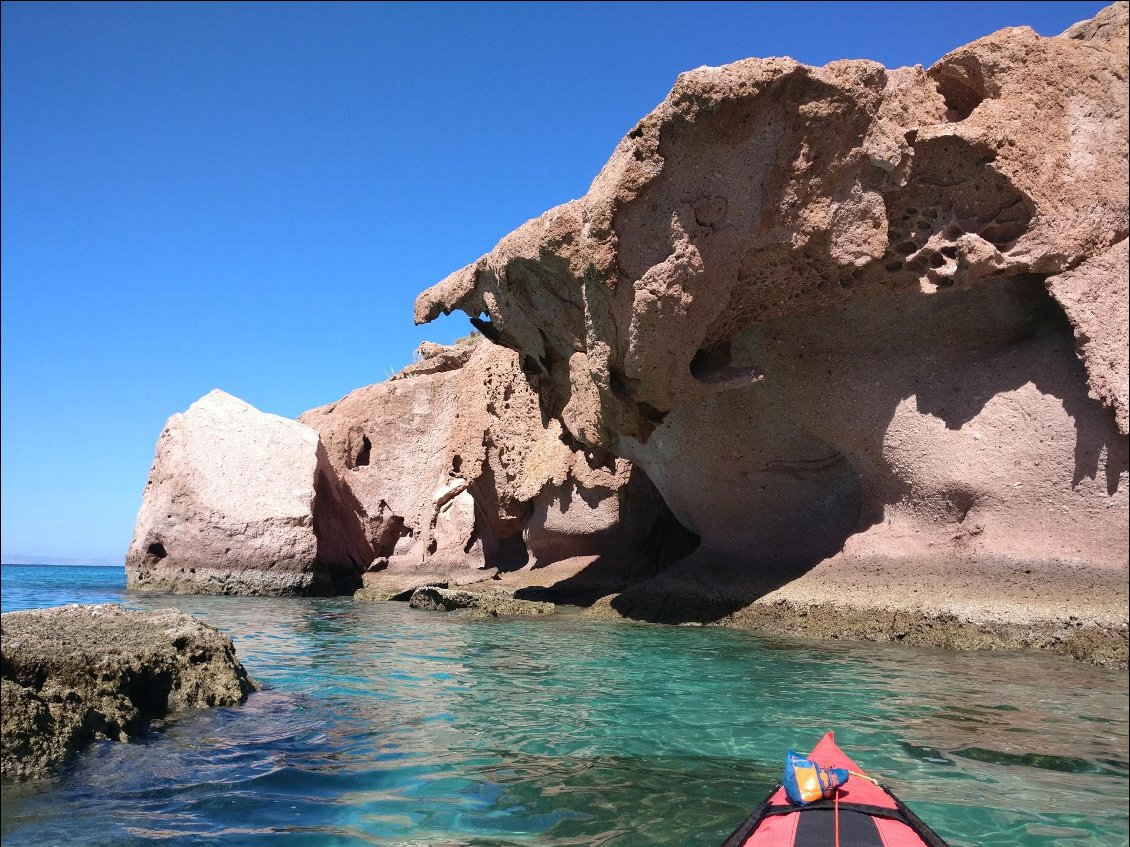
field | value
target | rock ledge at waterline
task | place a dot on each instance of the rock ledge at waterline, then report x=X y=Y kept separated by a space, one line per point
x=73 y=674
x=839 y=351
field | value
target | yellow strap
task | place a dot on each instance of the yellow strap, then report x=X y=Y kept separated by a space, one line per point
x=864 y=776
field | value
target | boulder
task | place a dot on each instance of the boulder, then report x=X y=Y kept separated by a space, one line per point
x=74 y=674
x=243 y=502
x=851 y=323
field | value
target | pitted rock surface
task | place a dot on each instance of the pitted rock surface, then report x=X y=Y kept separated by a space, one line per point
x=73 y=674
x=848 y=315
x=462 y=479
x=485 y=604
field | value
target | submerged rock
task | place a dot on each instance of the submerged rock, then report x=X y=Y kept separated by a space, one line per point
x=852 y=322
x=491 y=604
x=74 y=674
x=243 y=502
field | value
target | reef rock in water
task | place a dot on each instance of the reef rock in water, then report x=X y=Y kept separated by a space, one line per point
x=242 y=502
x=73 y=674
x=865 y=330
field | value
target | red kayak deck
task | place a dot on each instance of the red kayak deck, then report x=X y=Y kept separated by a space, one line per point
x=864 y=815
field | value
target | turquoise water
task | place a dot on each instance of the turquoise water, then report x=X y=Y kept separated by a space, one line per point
x=383 y=725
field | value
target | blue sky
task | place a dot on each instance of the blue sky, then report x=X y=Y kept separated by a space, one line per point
x=250 y=196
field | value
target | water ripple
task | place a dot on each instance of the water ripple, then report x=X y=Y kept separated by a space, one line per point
x=384 y=725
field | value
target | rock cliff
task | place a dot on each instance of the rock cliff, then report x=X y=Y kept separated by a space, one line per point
x=865 y=330
x=835 y=351
x=448 y=473
x=73 y=674
x=463 y=479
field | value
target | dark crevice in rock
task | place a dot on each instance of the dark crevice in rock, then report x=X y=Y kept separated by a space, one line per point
x=649 y=419
x=487 y=328
x=713 y=365
x=364 y=453
x=502 y=543
x=338 y=523
x=961 y=95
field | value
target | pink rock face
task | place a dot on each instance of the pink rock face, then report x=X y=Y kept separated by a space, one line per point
x=462 y=480
x=242 y=502
x=869 y=318
x=1096 y=297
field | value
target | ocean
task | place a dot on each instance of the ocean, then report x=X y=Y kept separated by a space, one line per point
x=383 y=725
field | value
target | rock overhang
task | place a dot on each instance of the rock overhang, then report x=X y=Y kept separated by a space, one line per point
x=870 y=274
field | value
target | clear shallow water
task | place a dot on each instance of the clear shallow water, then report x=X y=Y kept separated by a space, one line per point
x=384 y=725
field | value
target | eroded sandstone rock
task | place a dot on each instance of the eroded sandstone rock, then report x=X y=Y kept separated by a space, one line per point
x=243 y=502
x=463 y=479
x=845 y=340
x=1096 y=297
x=73 y=674
x=848 y=315
x=435 y=358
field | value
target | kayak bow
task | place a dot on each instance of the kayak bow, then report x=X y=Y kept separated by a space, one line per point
x=862 y=814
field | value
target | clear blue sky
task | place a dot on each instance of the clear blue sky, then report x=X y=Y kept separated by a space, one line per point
x=250 y=196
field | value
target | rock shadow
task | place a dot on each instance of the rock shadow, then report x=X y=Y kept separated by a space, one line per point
x=617 y=566
x=838 y=376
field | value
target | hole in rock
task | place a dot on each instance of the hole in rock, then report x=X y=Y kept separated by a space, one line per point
x=531 y=367
x=711 y=359
x=960 y=96
x=157 y=550
x=1002 y=234
x=364 y=452
x=713 y=365
x=649 y=418
x=487 y=328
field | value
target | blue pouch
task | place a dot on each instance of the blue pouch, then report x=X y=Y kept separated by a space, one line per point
x=806 y=782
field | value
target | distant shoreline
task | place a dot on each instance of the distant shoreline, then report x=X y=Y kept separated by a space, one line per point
x=47 y=562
